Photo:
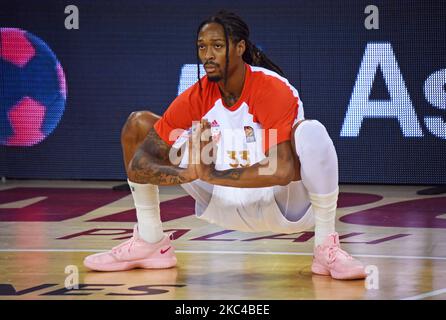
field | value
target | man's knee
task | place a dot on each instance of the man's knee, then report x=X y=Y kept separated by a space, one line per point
x=309 y=125
x=311 y=135
x=138 y=125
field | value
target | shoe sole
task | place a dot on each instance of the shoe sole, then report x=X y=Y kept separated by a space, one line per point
x=139 y=264
x=321 y=270
x=349 y=276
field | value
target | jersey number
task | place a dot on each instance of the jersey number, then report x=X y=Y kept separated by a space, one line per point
x=244 y=159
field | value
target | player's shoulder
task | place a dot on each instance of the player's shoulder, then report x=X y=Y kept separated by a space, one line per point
x=265 y=80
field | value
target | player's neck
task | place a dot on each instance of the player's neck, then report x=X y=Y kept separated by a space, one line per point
x=234 y=86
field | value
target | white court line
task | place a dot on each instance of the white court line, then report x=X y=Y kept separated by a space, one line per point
x=233 y=252
x=426 y=295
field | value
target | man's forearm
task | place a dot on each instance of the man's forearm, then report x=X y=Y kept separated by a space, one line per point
x=158 y=174
x=161 y=175
x=152 y=164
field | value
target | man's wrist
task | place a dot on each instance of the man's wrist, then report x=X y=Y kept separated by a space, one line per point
x=190 y=174
x=206 y=175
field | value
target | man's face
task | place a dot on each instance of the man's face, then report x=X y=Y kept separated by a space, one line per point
x=212 y=51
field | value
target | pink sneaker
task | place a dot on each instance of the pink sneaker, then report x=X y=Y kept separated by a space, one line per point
x=134 y=253
x=330 y=259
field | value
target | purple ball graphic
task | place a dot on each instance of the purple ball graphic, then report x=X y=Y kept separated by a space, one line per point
x=33 y=91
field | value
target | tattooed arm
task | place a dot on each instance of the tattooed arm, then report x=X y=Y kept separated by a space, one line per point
x=151 y=164
x=280 y=167
x=273 y=171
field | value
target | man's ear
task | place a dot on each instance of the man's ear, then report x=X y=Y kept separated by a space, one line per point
x=241 y=47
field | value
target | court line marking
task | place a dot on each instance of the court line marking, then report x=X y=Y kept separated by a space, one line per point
x=233 y=252
x=426 y=295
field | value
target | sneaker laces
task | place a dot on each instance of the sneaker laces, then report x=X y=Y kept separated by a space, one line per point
x=333 y=253
x=130 y=242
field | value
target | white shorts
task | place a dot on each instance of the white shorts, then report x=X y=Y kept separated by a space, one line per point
x=282 y=209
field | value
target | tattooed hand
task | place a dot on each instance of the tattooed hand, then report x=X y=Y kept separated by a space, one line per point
x=204 y=154
x=204 y=150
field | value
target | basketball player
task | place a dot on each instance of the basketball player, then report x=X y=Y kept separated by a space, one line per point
x=272 y=170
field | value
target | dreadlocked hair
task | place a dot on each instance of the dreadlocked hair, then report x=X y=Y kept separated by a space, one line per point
x=236 y=29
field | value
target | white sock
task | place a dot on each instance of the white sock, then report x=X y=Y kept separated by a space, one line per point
x=319 y=172
x=324 y=208
x=147 y=204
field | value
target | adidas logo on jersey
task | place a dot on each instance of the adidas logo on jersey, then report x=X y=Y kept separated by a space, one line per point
x=215 y=130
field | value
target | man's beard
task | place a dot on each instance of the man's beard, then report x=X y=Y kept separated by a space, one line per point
x=215 y=78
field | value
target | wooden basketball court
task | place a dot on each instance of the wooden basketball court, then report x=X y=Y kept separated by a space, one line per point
x=48 y=227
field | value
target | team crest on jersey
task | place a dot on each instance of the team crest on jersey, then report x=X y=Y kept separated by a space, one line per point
x=215 y=131
x=249 y=133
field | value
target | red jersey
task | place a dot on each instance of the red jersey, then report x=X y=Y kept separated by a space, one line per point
x=268 y=101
